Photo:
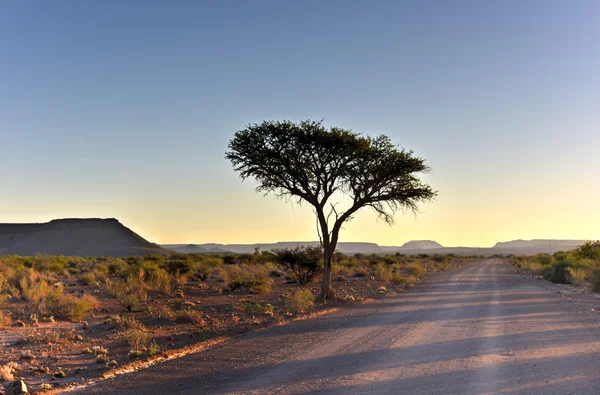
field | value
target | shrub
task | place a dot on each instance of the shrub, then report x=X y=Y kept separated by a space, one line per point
x=160 y=281
x=399 y=279
x=7 y=372
x=545 y=259
x=383 y=272
x=33 y=286
x=415 y=269
x=181 y=264
x=129 y=293
x=361 y=272
x=89 y=278
x=137 y=339
x=251 y=278
x=70 y=307
x=304 y=261
x=251 y=307
x=118 y=267
x=575 y=276
x=299 y=302
x=589 y=250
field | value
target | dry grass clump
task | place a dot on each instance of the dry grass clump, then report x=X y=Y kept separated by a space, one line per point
x=399 y=279
x=383 y=272
x=97 y=350
x=415 y=269
x=7 y=372
x=361 y=272
x=253 y=278
x=191 y=315
x=575 y=276
x=252 y=307
x=163 y=312
x=70 y=307
x=5 y=319
x=299 y=301
x=138 y=340
x=130 y=293
x=125 y=322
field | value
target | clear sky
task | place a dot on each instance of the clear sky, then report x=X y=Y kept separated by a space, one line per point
x=124 y=109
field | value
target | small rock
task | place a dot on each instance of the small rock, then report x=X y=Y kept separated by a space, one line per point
x=381 y=290
x=15 y=387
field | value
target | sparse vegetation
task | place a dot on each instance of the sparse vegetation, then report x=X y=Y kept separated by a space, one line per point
x=107 y=310
x=578 y=267
x=304 y=261
x=299 y=301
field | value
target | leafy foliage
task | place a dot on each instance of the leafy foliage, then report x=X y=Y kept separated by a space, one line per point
x=322 y=167
x=304 y=261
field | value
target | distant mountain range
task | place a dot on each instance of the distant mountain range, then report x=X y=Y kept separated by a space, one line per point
x=517 y=247
x=108 y=237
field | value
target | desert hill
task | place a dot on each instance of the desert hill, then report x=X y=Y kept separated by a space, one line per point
x=414 y=247
x=421 y=244
x=82 y=237
x=344 y=247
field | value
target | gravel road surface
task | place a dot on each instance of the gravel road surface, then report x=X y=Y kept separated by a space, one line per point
x=481 y=329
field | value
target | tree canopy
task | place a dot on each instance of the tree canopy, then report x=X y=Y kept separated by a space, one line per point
x=320 y=166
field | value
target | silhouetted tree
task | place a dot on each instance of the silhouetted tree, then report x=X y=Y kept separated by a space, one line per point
x=304 y=261
x=327 y=167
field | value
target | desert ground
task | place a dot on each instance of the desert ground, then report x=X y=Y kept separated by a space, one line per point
x=72 y=321
x=485 y=328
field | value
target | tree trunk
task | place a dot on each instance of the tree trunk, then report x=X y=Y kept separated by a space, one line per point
x=326 y=290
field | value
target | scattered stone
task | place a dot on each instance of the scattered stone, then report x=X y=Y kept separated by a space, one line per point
x=381 y=290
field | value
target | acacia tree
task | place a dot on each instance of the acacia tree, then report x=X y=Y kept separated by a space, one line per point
x=325 y=168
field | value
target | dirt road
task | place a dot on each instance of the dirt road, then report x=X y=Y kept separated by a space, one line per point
x=478 y=330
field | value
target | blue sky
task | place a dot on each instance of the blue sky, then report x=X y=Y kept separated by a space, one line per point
x=124 y=109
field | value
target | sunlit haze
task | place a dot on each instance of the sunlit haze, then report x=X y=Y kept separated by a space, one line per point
x=124 y=109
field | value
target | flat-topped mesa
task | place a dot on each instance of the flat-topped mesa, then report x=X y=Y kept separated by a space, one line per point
x=550 y=243
x=75 y=236
x=421 y=245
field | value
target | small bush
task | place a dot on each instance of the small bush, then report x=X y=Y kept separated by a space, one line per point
x=575 y=276
x=251 y=307
x=88 y=278
x=70 y=307
x=589 y=250
x=130 y=293
x=361 y=272
x=399 y=279
x=415 y=269
x=137 y=339
x=304 y=261
x=250 y=277
x=299 y=302
x=7 y=372
x=160 y=281
x=383 y=272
